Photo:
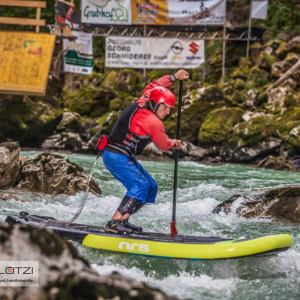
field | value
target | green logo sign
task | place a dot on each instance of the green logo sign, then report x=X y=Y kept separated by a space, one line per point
x=112 y=11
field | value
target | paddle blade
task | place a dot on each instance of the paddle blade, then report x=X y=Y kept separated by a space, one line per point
x=173 y=227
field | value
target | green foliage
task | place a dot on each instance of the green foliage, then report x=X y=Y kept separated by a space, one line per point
x=282 y=15
x=47 y=13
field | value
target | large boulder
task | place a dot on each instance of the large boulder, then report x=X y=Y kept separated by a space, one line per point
x=126 y=82
x=257 y=129
x=279 y=68
x=276 y=163
x=63 y=141
x=218 y=125
x=89 y=101
x=265 y=61
x=29 y=122
x=63 y=274
x=197 y=105
x=9 y=164
x=69 y=122
x=294 y=138
x=53 y=174
x=282 y=204
x=251 y=153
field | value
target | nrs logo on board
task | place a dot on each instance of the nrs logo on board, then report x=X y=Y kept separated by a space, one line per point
x=135 y=246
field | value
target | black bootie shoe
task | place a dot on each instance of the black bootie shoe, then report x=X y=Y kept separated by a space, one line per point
x=131 y=226
x=117 y=226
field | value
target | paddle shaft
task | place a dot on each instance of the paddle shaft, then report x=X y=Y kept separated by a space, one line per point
x=176 y=152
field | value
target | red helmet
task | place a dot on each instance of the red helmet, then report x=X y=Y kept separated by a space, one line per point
x=161 y=95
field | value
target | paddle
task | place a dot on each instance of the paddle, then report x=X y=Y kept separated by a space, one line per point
x=173 y=223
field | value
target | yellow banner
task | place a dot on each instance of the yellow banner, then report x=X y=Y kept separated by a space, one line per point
x=178 y=12
x=25 y=60
x=154 y=13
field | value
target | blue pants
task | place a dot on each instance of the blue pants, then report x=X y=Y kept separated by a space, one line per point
x=139 y=184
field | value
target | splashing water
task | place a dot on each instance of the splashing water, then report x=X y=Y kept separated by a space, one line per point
x=200 y=189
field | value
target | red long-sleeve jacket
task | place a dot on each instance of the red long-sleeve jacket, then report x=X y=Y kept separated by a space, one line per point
x=145 y=123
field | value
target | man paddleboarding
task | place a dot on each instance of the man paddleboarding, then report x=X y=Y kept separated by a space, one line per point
x=139 y=124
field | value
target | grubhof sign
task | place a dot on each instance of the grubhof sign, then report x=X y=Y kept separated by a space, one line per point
x=153 y=53
x=154 y=12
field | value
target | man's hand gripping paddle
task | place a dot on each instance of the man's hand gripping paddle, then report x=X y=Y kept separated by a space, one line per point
x=173 y=223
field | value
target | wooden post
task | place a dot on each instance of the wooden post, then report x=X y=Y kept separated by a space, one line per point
x=37 y=22
x=224 y=44
x=38 y=17
x=249 y=31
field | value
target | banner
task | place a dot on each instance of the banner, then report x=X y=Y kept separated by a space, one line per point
x=67 y=15
x=154 y=12
x=153 y=53
x=78 y=55
x=178 y=12
x=117 y=12
x=259 y=10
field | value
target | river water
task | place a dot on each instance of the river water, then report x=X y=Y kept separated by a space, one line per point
x=200 y=189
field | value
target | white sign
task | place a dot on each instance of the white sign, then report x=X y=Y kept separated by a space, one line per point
x=153 y=53
x=19 y=273
x=106 y=12
x=196 y=12
x=78 y=54
x=259 y=10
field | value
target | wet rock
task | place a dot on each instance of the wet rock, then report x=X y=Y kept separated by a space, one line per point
x=8 y=197
x=296 y=39
x=259 y=128
x=269 y=50
x=239 y=84
x=126 y=81
x=63 y=141
x=199 y=103
x=277 y=96
x=115 y=104
x=53 y=174
x=294 y=138
x=69 y=122
x=234 y=204
x=282 y=204
x=251 y=96
x=218 y=125
x=273 y=43
x=63 y=274
x=258 y=77
x=254 y=51
x=90 y=101
x=276 y=163
x=282 y=50
x=279 y=68
x=283 y=37
x=292 y=58
x=265 y=61
x=152 y=150
x=243 y=70
x=30 y=122
x=192 y=152
x=9 y=164
x=251 y=154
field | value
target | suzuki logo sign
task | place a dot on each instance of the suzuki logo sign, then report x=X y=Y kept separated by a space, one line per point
x=193 y=47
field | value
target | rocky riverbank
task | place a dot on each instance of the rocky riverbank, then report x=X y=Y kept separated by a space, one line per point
x=46 y=173
x=231 y=119
x=63 y=274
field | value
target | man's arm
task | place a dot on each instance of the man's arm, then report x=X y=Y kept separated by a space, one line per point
x=160 y=138
x=164 y=81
